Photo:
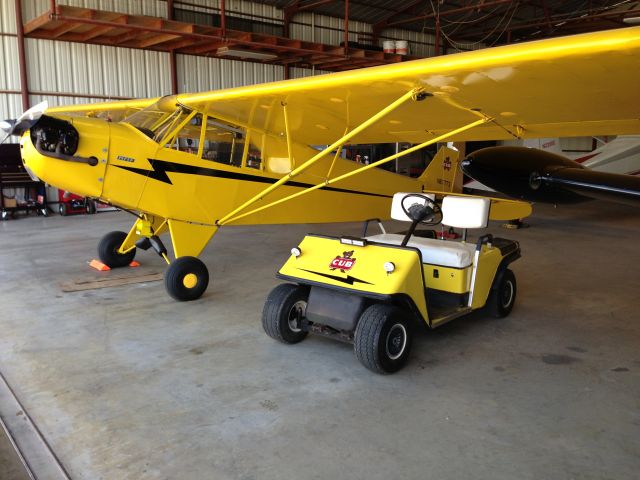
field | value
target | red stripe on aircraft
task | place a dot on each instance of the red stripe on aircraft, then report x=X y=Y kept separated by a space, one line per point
x=586 y=157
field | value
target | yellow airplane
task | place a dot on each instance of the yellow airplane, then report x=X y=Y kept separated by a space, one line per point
x=191 y=163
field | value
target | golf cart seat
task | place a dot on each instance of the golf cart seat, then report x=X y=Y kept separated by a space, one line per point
x=458 y=212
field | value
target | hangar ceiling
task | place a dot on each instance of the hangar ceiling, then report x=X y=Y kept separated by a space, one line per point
x=492 y=22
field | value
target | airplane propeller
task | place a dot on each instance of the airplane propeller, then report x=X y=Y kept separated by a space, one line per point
x=23 y=123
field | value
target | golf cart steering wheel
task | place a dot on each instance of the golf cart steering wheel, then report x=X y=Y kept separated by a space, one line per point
x=427 y=213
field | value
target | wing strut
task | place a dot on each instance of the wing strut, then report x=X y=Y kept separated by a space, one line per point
x=484 y=119
x=415 y=93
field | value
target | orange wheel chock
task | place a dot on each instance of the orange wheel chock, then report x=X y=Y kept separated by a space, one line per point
x=134 y=264
x=98 y=265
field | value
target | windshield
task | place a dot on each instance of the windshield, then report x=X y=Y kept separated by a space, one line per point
x=157 y=120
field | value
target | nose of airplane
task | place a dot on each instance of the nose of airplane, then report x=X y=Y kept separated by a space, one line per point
x=70 y=153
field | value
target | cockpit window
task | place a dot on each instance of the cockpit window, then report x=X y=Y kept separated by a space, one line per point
x=156 y=121
x=223 y=143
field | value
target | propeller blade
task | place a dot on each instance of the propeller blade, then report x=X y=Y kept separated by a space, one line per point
x=24 y=122
x=6 y=127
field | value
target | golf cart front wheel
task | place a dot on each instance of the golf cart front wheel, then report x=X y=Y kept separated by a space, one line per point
x=108 y=250
x=383 y=338
x=503 y=294
x=283 y=312
x=186 y=279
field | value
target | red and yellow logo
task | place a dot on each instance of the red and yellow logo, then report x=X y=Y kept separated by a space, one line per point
x=344 y=262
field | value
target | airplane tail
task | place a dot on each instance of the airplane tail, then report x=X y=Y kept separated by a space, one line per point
x=443 y=174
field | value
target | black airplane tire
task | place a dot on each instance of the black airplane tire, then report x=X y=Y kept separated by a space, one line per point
x=108 y=250
x=186 y=279
x=503 y=294
x=62 y=209
x=283 y=311
x=383 y=337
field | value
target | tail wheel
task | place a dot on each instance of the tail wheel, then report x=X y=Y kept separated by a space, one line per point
x=283 y=312
x=108 y=250
x=186 y=279
x=503 y=294
x=383 y=338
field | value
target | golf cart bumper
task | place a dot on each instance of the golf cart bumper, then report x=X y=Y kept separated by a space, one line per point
x=345 y=278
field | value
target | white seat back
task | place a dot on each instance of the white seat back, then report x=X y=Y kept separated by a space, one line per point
x=396 y=207
x=465 y=212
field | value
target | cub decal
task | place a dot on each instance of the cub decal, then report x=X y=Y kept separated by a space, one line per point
x=344 y=262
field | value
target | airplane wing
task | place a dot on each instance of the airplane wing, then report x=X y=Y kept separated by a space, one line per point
x=113 y=111
x=571 y=86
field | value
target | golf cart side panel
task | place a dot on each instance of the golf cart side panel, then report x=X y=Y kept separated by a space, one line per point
x=447 y=279
x=364 y=273
x=492 y=259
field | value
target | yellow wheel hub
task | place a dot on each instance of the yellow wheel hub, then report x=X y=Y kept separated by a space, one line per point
x=190 y=280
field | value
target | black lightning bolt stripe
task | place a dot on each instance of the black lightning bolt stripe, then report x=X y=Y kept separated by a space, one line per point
x=349 y=280
x=161 y=167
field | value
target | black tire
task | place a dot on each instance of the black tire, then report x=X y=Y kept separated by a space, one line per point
x=503 y=294
x=108 y=250
x=90 y=207
x=282 y=312
x=186 y=279
x=62 y=209
x=383 y=338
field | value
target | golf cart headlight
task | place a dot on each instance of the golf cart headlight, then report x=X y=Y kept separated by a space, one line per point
x=389 y=267
x=296 y=252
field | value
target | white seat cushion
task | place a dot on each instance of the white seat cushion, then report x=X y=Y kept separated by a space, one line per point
x=436 y=252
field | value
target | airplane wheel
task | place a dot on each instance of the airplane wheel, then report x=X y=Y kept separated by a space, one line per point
x=382 y=340
x=283 y=313
x=90 y=207
x=108 y=250
x=186 y=278
x=62 y=209
x=503 y=294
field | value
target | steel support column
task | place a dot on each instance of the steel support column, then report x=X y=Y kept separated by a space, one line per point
x=172 y=54
x=346 y=27
x=223 y=19
x=22 y=58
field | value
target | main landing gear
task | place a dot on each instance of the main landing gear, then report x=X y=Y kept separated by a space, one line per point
x=185 y=279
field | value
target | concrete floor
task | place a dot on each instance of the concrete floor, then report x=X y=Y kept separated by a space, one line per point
x=127 y=384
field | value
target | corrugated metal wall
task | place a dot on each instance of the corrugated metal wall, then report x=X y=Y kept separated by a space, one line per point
x=238 y=8
x=75 y=68
x=197 y=74
x=312 y=27
x=10 y=103
x=34 y=8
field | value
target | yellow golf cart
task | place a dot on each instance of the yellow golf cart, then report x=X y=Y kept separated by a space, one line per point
x=373 y=291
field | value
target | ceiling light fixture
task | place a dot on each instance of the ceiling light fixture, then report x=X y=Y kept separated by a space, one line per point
x=236 y=52
x=631 y=20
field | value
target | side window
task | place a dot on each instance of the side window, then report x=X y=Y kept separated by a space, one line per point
x=223 y=143
x=188 y=140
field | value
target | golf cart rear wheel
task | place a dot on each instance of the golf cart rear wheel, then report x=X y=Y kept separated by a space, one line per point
x=283 y=312
x=503 y=294
x=383 y=337
x=108 y=250
x=186 y=278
